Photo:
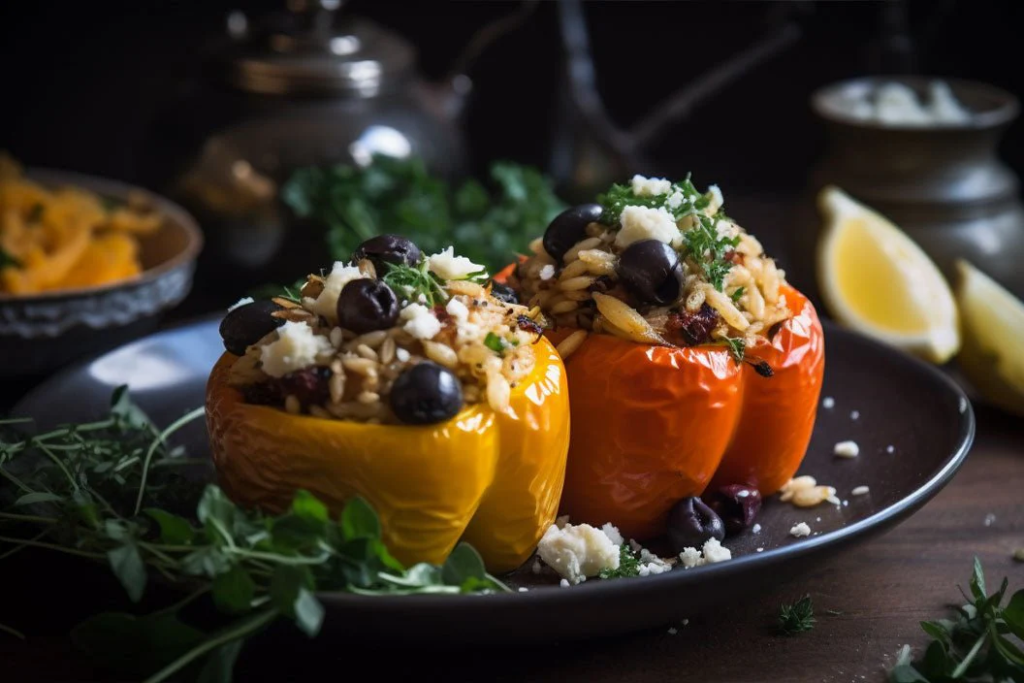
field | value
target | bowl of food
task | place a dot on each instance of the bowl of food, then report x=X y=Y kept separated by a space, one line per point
x=85 y=265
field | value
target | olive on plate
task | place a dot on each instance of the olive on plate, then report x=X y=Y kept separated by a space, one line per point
x=568 y=228
x=388 y=249
x=247 y=324
x=651 y=271
x=737 y=505
x=691 y=523
x=426 y=393
x=365 y=305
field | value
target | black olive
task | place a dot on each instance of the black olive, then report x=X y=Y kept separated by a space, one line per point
x=388 y=249
x=426 y=393
x=366 y=305
x=568 y=228
x=737 y=505
x=244 y=326
x=691 y=523
x=504 y=293
x=651 y=271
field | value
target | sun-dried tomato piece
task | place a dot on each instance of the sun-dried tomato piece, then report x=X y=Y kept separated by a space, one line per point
x=692 y=328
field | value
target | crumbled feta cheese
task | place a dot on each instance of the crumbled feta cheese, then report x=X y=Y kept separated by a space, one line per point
x=643 y=223
x=890 y=449
x=577 y=551
x=760 y=550
x=675 y=200
x=756 y=529
x=651 y=564
x=650 y=186
x=860 y=491
x=990 y=519
x=717 y=200
x=457 y=310
x=537 y=567
x=726 y=229
x=847 y=449
x=447 y=266
x=241 y=302
x=420 y=321
x=326 y=304
x=828 y=403
x=402 y=355
x=800 y=529
x=855 y=415
x=296 y=347
x=690 y=557
x=672 y=630
x=714 y=552
x=466 y=333
x=563 y=583
x=685 y=622
x=634 y=546
x=547 y=272
x=613 y=534
x=523 y=589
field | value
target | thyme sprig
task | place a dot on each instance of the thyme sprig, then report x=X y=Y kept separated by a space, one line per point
x=114 y=491
x=797 y=617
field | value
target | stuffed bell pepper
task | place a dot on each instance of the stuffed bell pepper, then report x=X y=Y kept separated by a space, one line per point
x=691 y=361
x=409 y=380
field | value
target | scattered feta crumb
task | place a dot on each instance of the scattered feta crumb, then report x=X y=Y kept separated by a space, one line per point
x=563 y=583
x=846 y=503
x=673 y=630
x=248 y=300
x=402 y=355
x=800 y=529
x=326 y=304
x=644 y=223
x=650 y=186
x=523 y=589
x=651 y=564
x=717 y=200
x=447 y=266
x=296 y=348
x=1018 y=554
x=577 y=551
x=420 y=321
x=457 y=310
x=685 y=622
x=675 y=200
x=756 y=529
x=847 y=449
x=860 y=491
x=817 y=519
x=712 y=552
x=537 y=567
x=855 y=415
x=990 y=519
x=613 y=534
x=890 y=449
x=547 y=272
x=634 y=546
x=760 y=550
x=828 y=403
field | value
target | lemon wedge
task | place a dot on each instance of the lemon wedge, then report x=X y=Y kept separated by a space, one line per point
x=876 y=280
x=993 y=353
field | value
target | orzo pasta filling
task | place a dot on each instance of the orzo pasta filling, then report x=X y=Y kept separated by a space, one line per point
x=656 y=262
x=390 y=337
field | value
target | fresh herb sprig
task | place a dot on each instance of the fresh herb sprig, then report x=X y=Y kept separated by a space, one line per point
x=797 y=617
x=629 y=565
x=415 y=283
x=114 y=491
x=400 y=195
x=983 y=642
x=710 y=249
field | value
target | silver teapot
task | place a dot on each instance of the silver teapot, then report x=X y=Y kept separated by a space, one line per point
x=307 y=86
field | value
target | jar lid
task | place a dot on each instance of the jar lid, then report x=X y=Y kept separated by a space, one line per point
x=306 y=51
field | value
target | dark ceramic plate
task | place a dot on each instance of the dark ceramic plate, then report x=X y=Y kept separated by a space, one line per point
x=900 y=402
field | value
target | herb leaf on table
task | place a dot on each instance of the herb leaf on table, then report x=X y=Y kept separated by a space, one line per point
x=797 y=617
x=116 y=492
x=983 y=642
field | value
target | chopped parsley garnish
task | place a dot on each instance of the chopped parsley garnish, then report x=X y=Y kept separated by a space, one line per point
x=709 y=249
x=618 y=197
x=737 y=347
x=737 y=294
x=496 y=343
x=412 y=282
x=796 y=618
x=983 y=642
x=6 y=260
x=629 y=565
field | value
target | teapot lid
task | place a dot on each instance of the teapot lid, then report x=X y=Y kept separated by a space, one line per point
x=305 y=51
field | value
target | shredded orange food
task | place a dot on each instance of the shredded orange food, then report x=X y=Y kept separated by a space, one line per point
x=67 y=237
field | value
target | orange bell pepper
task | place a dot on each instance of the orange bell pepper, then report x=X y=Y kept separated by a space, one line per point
x=654 y=424
x=492 y=479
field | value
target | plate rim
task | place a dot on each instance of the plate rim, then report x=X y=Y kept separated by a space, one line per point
x=877 y=521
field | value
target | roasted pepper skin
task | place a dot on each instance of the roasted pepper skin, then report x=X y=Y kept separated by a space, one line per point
x=655 y=424
x=493 y=479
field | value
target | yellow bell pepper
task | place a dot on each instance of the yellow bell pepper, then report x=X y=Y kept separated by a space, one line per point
x=491 y=479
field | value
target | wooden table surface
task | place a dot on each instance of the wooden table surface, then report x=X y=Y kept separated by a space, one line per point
x=882 y=588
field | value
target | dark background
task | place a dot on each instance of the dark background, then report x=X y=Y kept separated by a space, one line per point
x=82 y=82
